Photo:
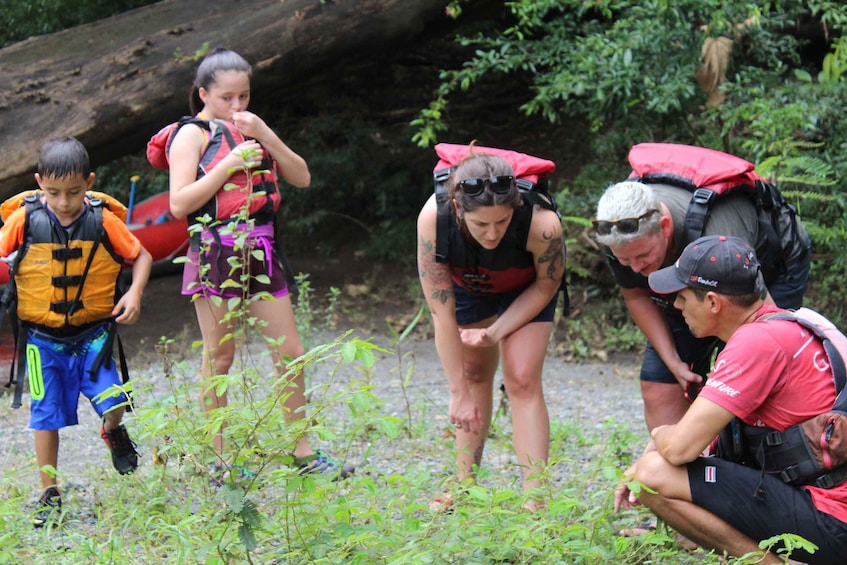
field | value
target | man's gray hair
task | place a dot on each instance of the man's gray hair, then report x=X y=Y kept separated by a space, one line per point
x=628 y=199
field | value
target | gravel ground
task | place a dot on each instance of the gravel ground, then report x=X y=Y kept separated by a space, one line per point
x=579 y=394
x=582 y=395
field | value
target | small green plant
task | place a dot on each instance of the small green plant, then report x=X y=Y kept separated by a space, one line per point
x=398 y=341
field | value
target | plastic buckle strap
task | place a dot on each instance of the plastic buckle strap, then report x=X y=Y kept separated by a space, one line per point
x=824 y=481
x=774 y=438
x=832 y=478
x=442 y=175
x=789 y=474
x=66 y=253
x=65 y=281
x=703 y=196
x=65 y=306
x=525 y=184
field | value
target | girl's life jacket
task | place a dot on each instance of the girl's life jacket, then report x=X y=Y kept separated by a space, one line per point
x=221 y=138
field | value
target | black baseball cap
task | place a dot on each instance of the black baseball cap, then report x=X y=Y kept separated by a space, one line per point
x=720 y=263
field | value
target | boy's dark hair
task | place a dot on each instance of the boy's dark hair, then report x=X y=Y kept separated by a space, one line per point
x=63 y=157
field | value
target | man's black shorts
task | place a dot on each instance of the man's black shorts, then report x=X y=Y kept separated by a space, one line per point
x=729 y=491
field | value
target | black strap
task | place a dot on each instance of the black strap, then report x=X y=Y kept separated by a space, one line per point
x=104 y=357
x=19 y=361
x=697 y=216
x=68 y=308
x=442 y=244
x=832 y=478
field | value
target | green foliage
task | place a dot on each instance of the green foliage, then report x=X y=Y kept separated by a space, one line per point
x=361 y=191
x=170 y=513
x=622 y=64
x=20 y=20
x=628 y=68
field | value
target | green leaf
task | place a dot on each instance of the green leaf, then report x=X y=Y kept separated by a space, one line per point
x=348 y=351
x=803 y=75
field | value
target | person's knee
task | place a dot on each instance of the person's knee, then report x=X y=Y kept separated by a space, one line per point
x=654 y=472
x=220 y=359
x=478 y=371
x=522 y=382
x=663 y=403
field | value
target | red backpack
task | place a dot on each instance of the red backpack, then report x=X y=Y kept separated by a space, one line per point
x=160 y=144
x=530 y=172
x=710 y=174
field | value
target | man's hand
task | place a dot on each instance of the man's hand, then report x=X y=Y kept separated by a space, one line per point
x=625 y=499
x=684 y=375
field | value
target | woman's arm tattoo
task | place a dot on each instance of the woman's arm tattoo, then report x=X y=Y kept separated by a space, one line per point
x=554 y=255
x=438 y=275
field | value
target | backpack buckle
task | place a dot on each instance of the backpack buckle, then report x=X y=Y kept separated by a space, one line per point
x=525 y=185
x=703 y=196
x=789 y=474
x=442 y=175
x=824 y=481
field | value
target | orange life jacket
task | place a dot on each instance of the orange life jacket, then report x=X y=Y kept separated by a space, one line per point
x=65 y=278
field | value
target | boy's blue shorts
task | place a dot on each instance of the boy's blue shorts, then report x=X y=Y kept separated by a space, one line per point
x=57 y=369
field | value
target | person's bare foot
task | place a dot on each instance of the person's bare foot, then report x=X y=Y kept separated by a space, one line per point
x=442 y=502
x=533 y=505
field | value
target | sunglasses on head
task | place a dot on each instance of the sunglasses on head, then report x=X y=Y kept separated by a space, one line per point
x=626 y=225
x=497 y=185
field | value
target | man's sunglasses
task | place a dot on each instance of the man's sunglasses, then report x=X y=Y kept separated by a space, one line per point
x=626 y=225
x=497 y=185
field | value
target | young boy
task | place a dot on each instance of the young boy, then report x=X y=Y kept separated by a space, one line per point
x=71 y=252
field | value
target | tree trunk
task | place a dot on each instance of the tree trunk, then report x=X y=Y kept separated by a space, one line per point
x=114 y=82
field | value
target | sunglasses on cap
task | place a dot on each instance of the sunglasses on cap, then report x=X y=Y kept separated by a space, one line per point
x=626 y=225
x=497 y=185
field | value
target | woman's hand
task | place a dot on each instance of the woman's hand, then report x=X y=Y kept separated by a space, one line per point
x=464 y=413
x=477 y=337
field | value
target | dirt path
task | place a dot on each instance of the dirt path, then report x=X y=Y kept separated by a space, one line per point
x=578 y=394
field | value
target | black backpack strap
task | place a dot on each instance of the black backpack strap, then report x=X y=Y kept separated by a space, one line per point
x=832 y=478
x=9 y=306
x=697 y=215
x=19 y=360
x=537 y=193
x=442 y=243
x=104 y=357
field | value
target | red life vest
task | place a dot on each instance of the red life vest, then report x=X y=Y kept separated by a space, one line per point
x=222 y=137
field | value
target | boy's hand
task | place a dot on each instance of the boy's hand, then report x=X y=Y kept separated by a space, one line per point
x=127 y=309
